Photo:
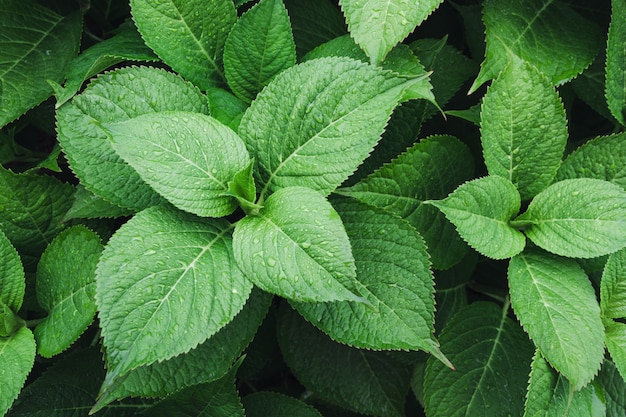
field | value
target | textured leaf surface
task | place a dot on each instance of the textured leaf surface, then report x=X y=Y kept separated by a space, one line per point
x=616 y=62
x=360 y=380
x=297 y=247
x=12 y=279
x=31 y=209
x=614 y=390
x=265 y=403
x=613 y=286
x=259 y=46
x=524 y=129
x=188 y=158
x=225 y=107
x=314 y=23
x=480 y=210
x=166 y=282
x=602 y=158
x=549 y=395
x=377 y=25
x=393 y=269
x=430 y=169
x=491 y=354
x=556 y=304
x=616 y=343
x=37 y=44
x=188 y=35
x=115 y=97
x=17 y=355
x=579 y=218
x=319 y=136
x=87 y=205
x=66 y=288
x=548 y=34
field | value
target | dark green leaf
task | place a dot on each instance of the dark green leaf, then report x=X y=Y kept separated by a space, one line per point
x=87 y=205
x=266 y=403
x=12 y=279
x=614 y=390
x=616 y=62
x=613 y=286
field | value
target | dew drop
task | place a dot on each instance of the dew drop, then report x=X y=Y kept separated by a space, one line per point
x=271 y=262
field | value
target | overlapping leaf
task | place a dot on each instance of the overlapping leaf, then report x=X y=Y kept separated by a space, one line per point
x=314 y=23
x=17 y=356
x=12 y=279
x=613 y=286
x=616 y=62
x=265 y=403
x=614 y=389
x=87 y=205
x=616 y=343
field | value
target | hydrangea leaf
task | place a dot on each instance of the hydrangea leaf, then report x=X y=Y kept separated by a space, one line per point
x=115 y=97
x=188 y=158
x=616 y=62
x=614 y=389
x=451 y=284
x=17 y=356
x=524 y=128
x=259 y=46
x=187 y=35
x=378 y=25
x=428 y=170
x=556 y=304
x=578 y=218
x=318 y=137
x=87 y=205
x=66 y=288
x=393 y=268
x=37 y=45
x=481 y=210
x=12 y=278
x=225 y=107
x=613 y=286
x=616 y=343
x=297 y=247
x=266 y=403
x=166 y=282
x=491 y=355
x=548 y=34
x=359 y=380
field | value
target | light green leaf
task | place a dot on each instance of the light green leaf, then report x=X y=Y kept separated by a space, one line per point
x=66 y=288
x=319 y=136
x=614 y=390
x=491 y=354
x=31 y=209
x=393 y=268
x=188 y=158
x=314 y=23
x=613 y=286
x=481 y=210
x=616 y=343
x=556 y=304
x=578 y=218
x=267 y=403
x=377 y=25
x=603 y=158
x=188 y=35
x=548 y=34
x=87 y=205
x=166 y=282
x=10 y=323
x=297 y=247
x=429 y=170
x=359 y=380
x=115 y=97
x=616 y=62
x=12 y=279
x=225 y=107
x=37 y=45
x=242 y=187
x=17 y=356
x=550 y=394
x=259 y=46
x=524 y=128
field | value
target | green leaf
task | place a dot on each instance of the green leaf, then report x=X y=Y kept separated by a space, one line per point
x=451 y=284
x=556 y=304
x=10 y=323
x=66 y=288
x=548 y=34
x=259 y=46
x=188 y=158
x=242 y=187
x=429 y=170
x=166 y=282
x=590 y=87
x=319 y=136
x=126 y=45
x=491 y=354
x=87 y=205
x=266 y=403
x=207 y=362
x=377 y=26
x=614 y=390
x=12 y=279
x=17 y=356
x=481 y=210
x=314 y=23
x=616 y=62
x=115 y=97
x=524 y=128
x=615 y=341
x=225 y=107
x=613 y=286
x=393 y=269
x=578 y=218
x=603 y=158
x=359 y=380
x=31 y=209
x=550 y=394
x=188 y=35
x=297 y=247
x=37 y=45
